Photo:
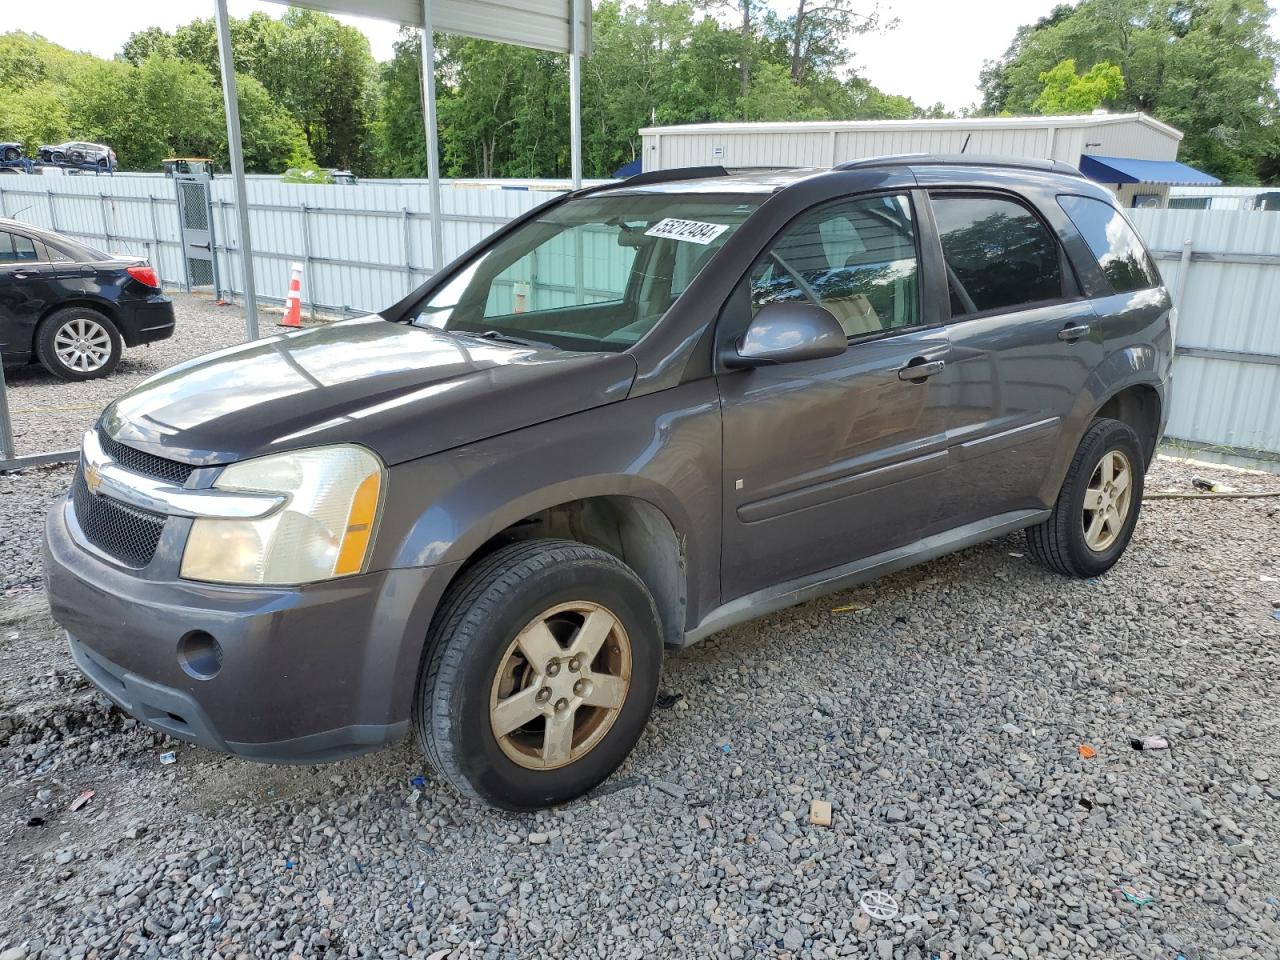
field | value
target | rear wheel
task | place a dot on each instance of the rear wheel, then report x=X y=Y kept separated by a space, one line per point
x=10 y=153
x=541 y=670
x=1098 y=506
x=79 y=343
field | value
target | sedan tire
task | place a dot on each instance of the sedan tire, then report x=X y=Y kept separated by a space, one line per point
x=541 y=670
x=78 y=343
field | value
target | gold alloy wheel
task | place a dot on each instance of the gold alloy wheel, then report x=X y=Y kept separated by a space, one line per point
x=1107 y=500
x=560 y=685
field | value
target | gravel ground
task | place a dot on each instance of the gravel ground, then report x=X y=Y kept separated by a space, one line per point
x=50 y=414
x=940 y=711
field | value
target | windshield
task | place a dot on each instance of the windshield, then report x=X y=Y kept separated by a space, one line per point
x=590 y=274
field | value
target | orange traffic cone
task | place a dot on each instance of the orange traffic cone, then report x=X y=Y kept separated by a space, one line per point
x=293 y=313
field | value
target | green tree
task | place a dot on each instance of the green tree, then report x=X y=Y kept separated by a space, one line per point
x=774 y=95
x=1207 y=67
x=1067 y=92
x=272 y=139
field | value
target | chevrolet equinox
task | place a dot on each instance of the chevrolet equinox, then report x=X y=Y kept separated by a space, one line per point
x=637 y=415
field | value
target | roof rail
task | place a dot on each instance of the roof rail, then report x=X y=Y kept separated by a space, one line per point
x=959 y=160
x=675 y=173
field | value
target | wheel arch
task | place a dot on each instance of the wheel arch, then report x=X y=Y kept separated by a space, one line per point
x=1141 y=406
x=624 y=523
x=104 y=307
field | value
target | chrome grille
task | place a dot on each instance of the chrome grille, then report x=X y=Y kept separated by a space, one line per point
x=128 y=534
x=147 y=464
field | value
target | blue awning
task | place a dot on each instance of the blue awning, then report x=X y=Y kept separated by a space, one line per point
x=1129 y=170
x=628 y=169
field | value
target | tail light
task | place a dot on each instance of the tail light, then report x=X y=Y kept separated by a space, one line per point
x=144 y=274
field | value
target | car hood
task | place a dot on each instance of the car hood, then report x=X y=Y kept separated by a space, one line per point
x=401 y=390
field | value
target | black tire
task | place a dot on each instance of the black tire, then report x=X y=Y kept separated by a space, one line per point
x=57 y=156
x=46 y=343
x=10 y=153
x=1060 y=542
x=478 y=620
x=104 y=164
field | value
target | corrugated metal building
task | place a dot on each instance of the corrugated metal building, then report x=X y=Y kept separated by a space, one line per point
x=1109 y=140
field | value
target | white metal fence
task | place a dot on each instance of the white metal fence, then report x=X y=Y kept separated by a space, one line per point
x=1224 y=269
x=367 y=245
x=364 y=246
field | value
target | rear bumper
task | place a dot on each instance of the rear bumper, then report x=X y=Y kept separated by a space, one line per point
x=145 y=321
x=308 y=674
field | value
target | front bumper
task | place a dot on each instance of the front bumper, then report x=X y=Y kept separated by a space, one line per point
x=308 y=674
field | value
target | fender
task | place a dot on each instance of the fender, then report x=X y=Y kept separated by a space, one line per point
x=1137 y=364
x=451 y=503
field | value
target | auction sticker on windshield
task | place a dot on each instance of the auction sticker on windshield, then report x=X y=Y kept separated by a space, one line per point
x=693 y=231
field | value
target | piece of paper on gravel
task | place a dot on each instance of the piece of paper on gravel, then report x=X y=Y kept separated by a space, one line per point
x=692 y=231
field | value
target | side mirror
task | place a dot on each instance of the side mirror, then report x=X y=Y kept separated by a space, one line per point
x=786 y=333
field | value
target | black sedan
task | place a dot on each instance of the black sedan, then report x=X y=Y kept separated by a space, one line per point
x=71 y=307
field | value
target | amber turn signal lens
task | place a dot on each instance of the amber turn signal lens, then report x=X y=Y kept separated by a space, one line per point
x=355 y=542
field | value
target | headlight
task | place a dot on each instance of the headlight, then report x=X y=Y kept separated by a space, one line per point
x=324 y=529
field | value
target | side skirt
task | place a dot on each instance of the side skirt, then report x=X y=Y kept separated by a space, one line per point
x=805 y=588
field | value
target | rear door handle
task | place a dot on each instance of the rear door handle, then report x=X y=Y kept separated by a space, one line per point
x=1073 y=333
x=919 y=372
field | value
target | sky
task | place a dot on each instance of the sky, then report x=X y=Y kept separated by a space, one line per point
x=934 y=54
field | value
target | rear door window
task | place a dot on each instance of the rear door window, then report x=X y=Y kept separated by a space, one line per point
x=15 y=248
x=998 y=254
x=1121 y=255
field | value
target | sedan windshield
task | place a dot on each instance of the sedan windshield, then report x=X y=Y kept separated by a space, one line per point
x=590 y=274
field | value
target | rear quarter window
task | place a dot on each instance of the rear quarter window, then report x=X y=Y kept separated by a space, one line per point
x=1118 y=249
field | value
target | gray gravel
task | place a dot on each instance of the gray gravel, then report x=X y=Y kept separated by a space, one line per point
x=941 y=717
x=51 y=414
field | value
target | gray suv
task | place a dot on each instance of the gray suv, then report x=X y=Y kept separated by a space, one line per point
x=635 y=416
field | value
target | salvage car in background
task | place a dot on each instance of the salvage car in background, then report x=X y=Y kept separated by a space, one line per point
x=78 y=151
x=74 y=308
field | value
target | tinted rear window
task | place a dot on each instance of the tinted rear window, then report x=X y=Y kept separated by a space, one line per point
x=1121 y=255
x=999 y=255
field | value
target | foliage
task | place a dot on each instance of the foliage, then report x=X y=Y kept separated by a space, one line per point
x=1207 y=67
x=1066 y=92
x=311 y=94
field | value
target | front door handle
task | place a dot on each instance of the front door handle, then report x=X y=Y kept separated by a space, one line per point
x=1073 y=333
x=22 y=274
x=920 y=372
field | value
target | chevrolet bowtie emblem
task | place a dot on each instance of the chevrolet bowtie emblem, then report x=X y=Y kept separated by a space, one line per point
x=92 y=478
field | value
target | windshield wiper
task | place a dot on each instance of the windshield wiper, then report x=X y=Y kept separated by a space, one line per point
x=509 y=338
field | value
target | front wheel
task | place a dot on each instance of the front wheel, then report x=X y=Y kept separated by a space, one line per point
x=10 y=153
x=541 y=670
x=1098 y=506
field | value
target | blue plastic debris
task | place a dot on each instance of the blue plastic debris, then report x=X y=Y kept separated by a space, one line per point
x=419 y=782
x=288 y=864
x=726 y=748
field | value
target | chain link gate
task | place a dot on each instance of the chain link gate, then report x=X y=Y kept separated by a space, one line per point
x=195 y=224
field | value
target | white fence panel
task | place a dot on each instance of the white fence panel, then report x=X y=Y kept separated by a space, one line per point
x=364 y=246
x=1226 y=391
